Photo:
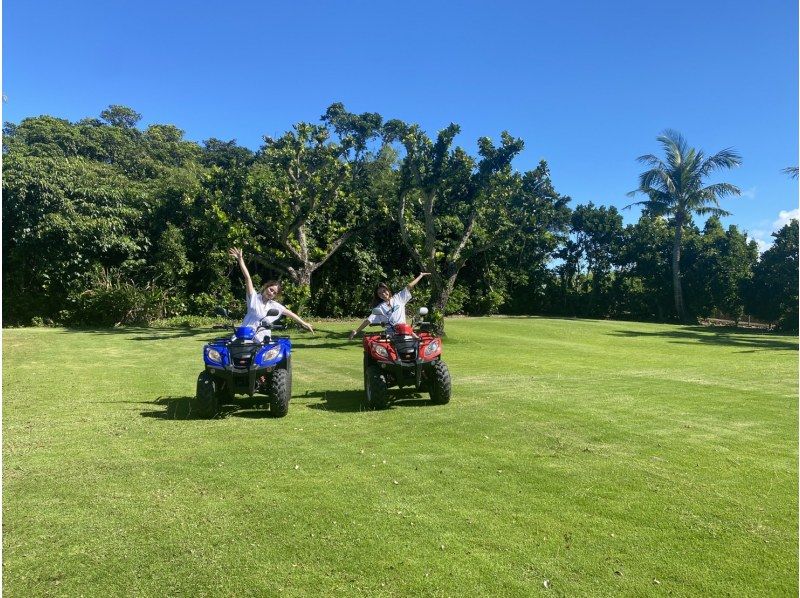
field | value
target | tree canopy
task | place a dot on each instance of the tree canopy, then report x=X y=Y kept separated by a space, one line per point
x=107 y=222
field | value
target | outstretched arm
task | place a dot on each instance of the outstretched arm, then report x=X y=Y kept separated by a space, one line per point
x=361 y=327
x=414 y=282
x=237 y=253
x=298 y=319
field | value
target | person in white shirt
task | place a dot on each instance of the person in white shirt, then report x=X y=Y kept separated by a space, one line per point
x=392 y=306
x=259 y=303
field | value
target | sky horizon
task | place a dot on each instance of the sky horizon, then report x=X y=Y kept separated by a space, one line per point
x=587 y=87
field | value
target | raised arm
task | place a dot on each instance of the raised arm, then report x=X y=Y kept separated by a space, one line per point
x=414 y=282
x=361 y=327
x=248 y=282
x=298 y=319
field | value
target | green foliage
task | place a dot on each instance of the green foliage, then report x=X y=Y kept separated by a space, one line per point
x=331 y=210
x=452 y=208
x=120 y=302
x=773 y=291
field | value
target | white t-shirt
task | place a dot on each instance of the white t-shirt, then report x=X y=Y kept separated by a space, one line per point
x=395 y=311
x=257 y=310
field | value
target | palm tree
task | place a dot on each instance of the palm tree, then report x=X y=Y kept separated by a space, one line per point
x=675 y=189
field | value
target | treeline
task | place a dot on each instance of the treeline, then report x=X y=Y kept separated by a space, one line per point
x=107 y=223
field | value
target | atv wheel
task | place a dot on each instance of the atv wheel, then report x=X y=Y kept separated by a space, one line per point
x=439 y=383
x=206 y=397
x=375 y=387
x=280 y=385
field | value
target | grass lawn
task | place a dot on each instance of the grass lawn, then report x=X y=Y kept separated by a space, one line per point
x=577 y=457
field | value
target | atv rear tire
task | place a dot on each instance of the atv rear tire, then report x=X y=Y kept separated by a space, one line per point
x=206 y=397
x=280 y=391
x=439 y=383
x=375 y=388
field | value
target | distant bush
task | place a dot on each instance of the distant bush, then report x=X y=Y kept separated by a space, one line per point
x=123 y=303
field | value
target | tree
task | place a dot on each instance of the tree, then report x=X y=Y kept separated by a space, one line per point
x=64 y=219
x=773 y=293
x=308 y=195
x=645 y=285
x=121 y=116
x=676 y=188
x=720 y=266
x=452 y=208
x=598 y=236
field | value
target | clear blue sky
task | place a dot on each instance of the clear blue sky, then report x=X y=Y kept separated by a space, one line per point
x=587 y=85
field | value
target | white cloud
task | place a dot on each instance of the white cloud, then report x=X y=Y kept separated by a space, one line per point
x=784 y=218
x=749 y=193
x=763 y=238
x=762 y=244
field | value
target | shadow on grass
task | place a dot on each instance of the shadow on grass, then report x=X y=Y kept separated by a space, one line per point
x=329 y=339
x=724 y=337
x=182 y=408
x=352 y=401
x=150 y=334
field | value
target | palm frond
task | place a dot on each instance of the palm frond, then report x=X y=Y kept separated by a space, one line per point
x=651 y=160
x=674 y=187
x=657 y=177
x=636 y=203
x=726 y=158
x=674 y=147
x=719 y=190
x=792 y=171
x=706 y=211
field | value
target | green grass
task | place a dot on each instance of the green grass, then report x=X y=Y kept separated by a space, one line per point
x=576 y=458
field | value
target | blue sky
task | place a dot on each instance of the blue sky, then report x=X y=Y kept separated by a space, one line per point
x=587 y=85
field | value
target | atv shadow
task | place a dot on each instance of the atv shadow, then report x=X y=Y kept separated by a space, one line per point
x=352 y=401
x=175 y=408
x=182 y=408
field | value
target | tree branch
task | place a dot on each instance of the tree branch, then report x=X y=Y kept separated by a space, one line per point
x=401 y=220
x=465 y=238
x=275 y=263
x=430 y=230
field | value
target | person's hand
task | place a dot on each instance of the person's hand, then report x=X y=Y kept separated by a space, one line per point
x=424 y=274
x=352 y=334
x=308 y=327
x=235 y=253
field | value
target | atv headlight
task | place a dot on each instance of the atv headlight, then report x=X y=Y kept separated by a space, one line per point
x=381 y=351
x=271 y=354
x=431 y=348
x=214 y=355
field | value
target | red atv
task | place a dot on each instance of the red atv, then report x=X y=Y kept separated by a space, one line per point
x=401 y=357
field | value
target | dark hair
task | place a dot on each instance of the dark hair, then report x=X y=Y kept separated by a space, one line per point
x=376 y=298
x=271 y=283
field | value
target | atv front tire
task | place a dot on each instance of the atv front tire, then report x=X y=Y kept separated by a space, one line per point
x=206 y=397
x=280 y=389
x=439 y=383
x=375 y=388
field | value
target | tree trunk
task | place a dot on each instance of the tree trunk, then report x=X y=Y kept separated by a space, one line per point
x=301 y=278
x=676 y=271
x=440 y=294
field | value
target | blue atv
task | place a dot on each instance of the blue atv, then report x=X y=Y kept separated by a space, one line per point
x=240 y=365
